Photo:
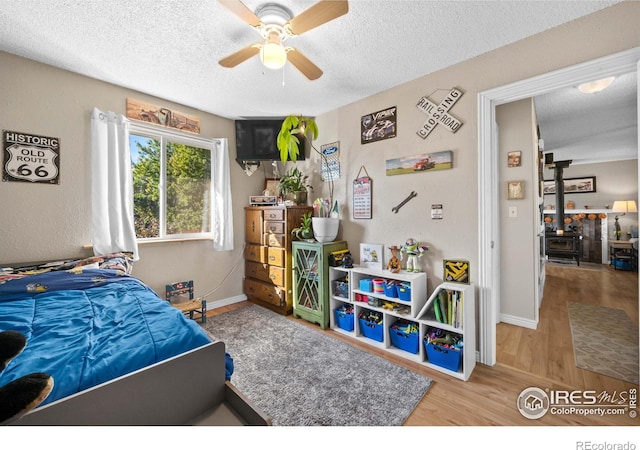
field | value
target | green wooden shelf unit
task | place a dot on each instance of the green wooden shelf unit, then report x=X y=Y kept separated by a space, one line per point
x=311 y=288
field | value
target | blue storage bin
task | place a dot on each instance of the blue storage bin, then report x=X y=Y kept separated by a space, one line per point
x=404 y=291
x=371 y=329
x=404 y=338
x=344 y=319
x=391 y=290
x=366 y=285
x=449 y=358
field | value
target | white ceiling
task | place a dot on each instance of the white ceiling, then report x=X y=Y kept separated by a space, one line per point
x=171 y=49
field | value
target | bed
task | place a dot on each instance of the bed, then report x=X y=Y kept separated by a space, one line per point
x=105 y=337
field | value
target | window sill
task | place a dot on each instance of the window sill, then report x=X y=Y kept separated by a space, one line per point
x=161 y=241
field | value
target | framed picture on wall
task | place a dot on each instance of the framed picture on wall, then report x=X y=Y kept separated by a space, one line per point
x=371 y=255
x=514 y=159
x=515 y=190
x=572 y=185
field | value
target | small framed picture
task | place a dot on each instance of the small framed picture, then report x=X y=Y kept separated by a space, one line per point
x=371 y=255
x=515 y=190
x=514 y=159
x=456 y=271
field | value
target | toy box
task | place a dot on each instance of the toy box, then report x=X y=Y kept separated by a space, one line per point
x=366 y=285
x=449 y=358
x=391 y=290
x=404 y=335
x=404 y=291
x=371 y=325
x=341 y=288
x=344 y=319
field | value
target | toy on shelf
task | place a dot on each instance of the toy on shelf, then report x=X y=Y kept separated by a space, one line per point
x=413 y=250
x=395 y=264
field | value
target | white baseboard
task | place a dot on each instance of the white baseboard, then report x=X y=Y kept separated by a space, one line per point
x=519 y=321
x=213 y=304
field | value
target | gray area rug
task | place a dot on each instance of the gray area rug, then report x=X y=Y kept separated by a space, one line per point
x=605 y=341
x=301 y=377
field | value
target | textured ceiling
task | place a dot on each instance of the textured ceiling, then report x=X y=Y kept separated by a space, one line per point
x=170 y=49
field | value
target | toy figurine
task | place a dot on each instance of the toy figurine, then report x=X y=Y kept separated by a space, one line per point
x=347 y=261
x=395 y=264
x=413 y=250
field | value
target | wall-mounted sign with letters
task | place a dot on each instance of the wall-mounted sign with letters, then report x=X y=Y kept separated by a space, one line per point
x=29 y=157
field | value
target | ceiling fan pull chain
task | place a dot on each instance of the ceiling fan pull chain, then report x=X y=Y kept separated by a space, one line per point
x=283 y=76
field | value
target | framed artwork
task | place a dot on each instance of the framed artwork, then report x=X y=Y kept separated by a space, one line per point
x=378 y=125
x=456 y=271
x=572 y=185
x=514 y=159
x=158 y=115
x=425 y=162
x=371 y=255
x=271 y=186
x=515 y=190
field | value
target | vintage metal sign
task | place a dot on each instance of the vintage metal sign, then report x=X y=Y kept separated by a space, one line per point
x=29 y=157
x=378 y=125
x=438 y=114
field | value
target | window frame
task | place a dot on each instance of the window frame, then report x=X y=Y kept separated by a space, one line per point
x=165 y=135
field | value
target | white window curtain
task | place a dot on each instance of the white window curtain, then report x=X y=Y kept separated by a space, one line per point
x=112 y=185
x=222 y=205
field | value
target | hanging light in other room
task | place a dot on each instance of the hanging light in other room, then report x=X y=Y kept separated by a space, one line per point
x=595 y=86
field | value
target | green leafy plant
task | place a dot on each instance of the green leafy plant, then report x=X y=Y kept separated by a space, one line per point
x=293 y=181
x=305 y=230
x=288 y=143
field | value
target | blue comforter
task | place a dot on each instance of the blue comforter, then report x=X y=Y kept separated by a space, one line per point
x=88 y=326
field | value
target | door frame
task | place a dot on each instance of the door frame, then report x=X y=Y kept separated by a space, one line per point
x=488 y=186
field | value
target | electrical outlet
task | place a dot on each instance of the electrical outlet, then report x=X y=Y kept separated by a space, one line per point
x=513 y=211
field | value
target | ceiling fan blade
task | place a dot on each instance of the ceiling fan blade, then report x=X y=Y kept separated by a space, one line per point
x=322 y=12
x=303 y=64
x=240 y=56
x=242 y=11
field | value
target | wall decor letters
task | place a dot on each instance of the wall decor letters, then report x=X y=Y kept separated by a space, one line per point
x=438 y=114
x=378 y=125
x=29 y=157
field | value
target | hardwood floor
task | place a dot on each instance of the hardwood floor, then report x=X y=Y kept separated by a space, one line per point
x=540 y=358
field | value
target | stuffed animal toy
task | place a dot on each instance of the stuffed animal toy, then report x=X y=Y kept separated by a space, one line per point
x=25 y=393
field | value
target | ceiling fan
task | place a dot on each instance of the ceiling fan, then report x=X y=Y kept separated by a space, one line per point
x=275 y=23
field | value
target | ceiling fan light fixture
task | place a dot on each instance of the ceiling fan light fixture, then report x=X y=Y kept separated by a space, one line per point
x=273 y=55
x=595 y=86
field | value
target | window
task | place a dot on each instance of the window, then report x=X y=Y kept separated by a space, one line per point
x=171 y=184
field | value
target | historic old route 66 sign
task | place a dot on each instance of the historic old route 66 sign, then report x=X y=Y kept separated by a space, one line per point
x=29 y=157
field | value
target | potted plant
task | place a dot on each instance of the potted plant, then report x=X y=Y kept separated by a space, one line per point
x=288 y=143
x=304 y=231
x=325 y=225
x=294 y=185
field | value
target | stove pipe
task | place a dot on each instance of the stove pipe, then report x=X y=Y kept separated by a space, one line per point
x=559 y=181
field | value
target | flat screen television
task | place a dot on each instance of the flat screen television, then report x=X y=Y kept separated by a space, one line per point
x=256 y=140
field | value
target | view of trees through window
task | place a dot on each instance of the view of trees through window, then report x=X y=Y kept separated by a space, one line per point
x=185 y=205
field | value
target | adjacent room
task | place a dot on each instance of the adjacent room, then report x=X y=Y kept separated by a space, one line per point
x=320 y=214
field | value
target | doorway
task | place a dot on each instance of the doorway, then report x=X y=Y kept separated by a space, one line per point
x=488 y=198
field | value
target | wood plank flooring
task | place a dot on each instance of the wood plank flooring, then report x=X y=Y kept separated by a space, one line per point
x=526 y=358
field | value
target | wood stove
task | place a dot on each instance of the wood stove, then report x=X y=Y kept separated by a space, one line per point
x=560 y=243
x=568 y=246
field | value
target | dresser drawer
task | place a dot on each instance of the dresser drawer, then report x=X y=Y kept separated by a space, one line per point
x=256 y=253
x=265 y=272
x=274 y=214
x=274 y=227
x=275 y=240
x=264 y=291
x=276 y=256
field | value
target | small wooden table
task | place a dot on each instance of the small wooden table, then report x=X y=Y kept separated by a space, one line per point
x=623 y=251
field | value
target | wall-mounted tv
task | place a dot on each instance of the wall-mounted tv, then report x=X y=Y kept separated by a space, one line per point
x=256 y=140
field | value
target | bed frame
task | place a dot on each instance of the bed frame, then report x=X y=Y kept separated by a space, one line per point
x=188 y=389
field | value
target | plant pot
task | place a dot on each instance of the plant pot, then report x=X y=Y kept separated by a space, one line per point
x=299 y=197
x=325 y=229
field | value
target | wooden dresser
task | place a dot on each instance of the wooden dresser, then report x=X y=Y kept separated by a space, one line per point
x=267 y=255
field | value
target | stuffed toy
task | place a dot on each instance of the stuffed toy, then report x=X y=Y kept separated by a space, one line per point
x=25 y=393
